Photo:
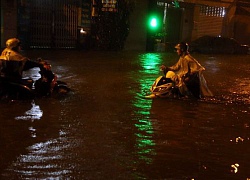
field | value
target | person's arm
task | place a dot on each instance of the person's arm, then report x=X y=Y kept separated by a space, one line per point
x=164 y=69
x=174 y=68
x=31 y=64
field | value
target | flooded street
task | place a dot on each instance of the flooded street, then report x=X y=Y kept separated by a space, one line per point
x=105 y=129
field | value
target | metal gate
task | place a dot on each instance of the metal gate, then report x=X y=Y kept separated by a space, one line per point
x=53 y=23
x=210 y=20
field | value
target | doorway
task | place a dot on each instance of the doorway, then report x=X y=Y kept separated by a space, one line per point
x=48 y=23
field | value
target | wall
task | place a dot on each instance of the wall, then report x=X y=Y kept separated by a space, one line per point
x=188 y=22
x=136 y=39
x=8 y=20
x=1 y=20
x=241 y=22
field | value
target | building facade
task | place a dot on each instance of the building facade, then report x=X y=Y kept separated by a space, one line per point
x=187 y=20
x=120 y=24
x=64 y=24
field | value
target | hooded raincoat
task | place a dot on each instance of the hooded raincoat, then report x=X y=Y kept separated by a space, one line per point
x=12 y=63
x=189 y=67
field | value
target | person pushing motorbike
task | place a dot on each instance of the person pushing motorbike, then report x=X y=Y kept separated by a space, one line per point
x=13 y=86
x=13 y=63
x=189 y=78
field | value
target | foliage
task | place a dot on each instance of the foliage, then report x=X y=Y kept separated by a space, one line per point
x=112 y=28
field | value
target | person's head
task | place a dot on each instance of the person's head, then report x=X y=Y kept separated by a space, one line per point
x=181 y=48
x=13 y=44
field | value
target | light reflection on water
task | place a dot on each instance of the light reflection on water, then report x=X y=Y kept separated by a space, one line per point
x=144 y=137
x=181 y=122
x=42 y=160
x=107 y=130
x=35 y=113
x=42 y=156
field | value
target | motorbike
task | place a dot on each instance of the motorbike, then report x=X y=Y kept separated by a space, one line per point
x=46 y=85
x=164 y=86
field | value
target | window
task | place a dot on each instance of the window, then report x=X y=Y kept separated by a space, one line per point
x=213 y=11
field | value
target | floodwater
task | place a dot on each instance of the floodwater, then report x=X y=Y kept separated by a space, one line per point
x=105 y=129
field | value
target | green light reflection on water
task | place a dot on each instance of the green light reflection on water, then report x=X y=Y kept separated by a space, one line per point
x=150 y=63
x=145 y=135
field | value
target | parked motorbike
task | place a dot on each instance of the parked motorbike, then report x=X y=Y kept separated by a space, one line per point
x=46 y=85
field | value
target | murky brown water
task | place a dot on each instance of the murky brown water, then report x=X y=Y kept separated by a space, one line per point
x=105 y=130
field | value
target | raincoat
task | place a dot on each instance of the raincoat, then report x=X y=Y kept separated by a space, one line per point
x=189 y=72
x=12 y=63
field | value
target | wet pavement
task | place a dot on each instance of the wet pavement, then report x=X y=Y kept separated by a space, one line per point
x=105 y=129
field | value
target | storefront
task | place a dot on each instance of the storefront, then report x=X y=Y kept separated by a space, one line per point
x=66 y=23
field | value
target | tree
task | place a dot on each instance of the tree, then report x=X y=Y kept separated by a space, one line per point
x=112 y=27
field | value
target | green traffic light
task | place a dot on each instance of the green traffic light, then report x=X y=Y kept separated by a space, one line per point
x=153 y=22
